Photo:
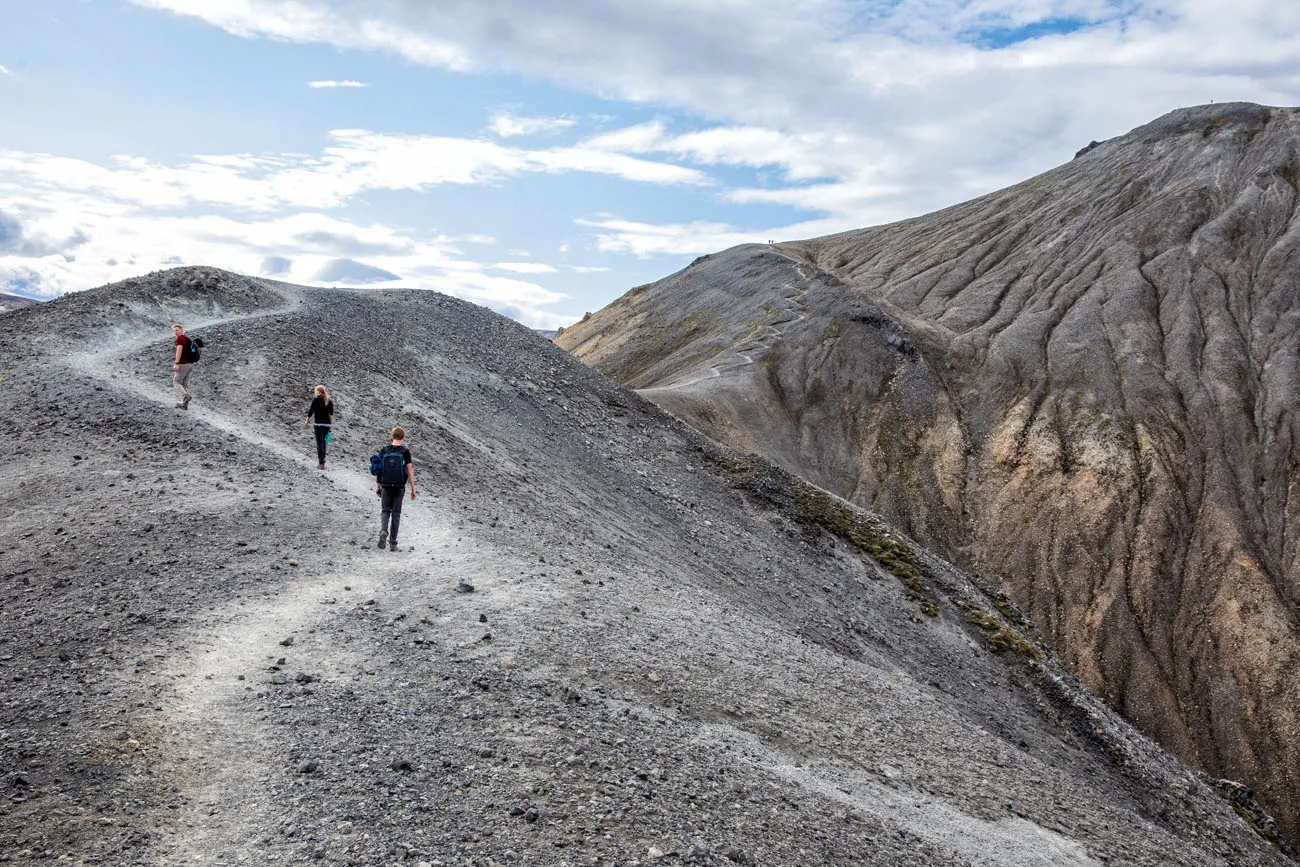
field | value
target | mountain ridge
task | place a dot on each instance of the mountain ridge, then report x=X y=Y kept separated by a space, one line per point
x=1079 y=386
x=672 y=651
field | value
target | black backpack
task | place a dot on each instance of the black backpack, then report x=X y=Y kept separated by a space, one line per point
x=192 y=350
x=392 y=471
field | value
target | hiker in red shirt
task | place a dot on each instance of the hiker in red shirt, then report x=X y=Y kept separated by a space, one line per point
x=183 y=365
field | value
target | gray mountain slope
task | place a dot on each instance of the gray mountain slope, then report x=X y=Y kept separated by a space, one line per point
x=15 y=302
x=673 y=652
x=1082 y=387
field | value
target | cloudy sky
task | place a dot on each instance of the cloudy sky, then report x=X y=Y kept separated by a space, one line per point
x=542 y=156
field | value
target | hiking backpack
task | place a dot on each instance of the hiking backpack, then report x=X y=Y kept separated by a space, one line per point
x=192 y=350
x=392 y=468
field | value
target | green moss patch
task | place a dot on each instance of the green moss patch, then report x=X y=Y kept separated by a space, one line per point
x=813 y=507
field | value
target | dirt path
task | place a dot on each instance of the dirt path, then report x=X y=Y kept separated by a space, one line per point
x=215 y=736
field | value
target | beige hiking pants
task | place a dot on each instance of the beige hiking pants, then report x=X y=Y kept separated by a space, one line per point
x=181 y=377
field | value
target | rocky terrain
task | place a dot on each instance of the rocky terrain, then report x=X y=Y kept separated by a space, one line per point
x=1082 y=387
x=672 y=653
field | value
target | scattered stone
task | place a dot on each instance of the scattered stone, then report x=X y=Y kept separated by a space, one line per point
x=308 y=767
x=463 y=586
x=482 y=618
x=402 y=765
x=287 y=642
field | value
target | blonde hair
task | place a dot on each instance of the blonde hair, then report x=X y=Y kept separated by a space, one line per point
x=399 y=433
x=320 y=390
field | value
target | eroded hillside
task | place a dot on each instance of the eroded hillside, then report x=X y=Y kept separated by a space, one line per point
x=1083 y=387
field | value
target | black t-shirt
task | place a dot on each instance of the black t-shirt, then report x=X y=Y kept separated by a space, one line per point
x=320 y=410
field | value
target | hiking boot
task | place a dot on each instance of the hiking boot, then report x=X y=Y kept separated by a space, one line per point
x=392 y=546
x=181 y=406
x=185 y=402
x=320 y=466
x=383 y=539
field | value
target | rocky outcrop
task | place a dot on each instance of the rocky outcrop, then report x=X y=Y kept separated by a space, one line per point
x=1084 y=387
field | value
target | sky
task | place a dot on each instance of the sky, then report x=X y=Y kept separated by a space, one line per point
x=541 y=157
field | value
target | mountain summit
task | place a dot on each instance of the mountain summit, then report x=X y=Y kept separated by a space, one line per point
x=1083 y=387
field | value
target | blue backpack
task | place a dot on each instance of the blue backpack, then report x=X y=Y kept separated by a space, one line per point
x=390 y=466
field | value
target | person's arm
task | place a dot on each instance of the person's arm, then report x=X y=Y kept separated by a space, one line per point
x=177 y=362
x=410 y=477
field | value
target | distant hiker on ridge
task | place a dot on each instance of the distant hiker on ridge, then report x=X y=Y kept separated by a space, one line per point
x=187 y=355
x=321 y=416
x=392 y=466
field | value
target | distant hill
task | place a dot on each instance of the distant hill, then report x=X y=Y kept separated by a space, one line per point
x=673 y=653
x=15 y=302
x=1084 y=387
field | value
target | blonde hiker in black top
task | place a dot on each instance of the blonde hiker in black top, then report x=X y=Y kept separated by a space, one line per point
x=321 y=416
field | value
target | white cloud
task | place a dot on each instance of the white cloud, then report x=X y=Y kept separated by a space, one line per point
x=115 y=240
x=298 y=21
x=508 y=125
x=589 y=269
x=636 y=139
x=345 y=83
x=4 y=70
x=893 y=108
x=357 y=161
x=525 y=267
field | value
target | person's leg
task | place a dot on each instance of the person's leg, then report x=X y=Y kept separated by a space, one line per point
x=397 y=515
x=387 y=511
x=320 y=444
x=182 y=378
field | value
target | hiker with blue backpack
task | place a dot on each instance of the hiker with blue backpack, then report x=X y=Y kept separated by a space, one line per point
x=320 y=415
x=393 y=470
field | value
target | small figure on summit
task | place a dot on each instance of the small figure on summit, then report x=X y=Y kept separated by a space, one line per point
x=187 y=355
x=393 y=470
x=321 y=416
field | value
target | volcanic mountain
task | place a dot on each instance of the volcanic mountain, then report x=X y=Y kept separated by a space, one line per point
x=1083 y=388
x=604 y=638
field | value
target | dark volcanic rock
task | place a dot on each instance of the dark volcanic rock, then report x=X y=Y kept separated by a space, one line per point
x=1083 y=386
x=755 y=672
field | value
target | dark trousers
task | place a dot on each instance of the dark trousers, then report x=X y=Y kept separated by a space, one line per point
x=321 y=433
x=391 y=498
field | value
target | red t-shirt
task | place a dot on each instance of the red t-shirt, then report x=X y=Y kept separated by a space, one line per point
x=184 y=343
